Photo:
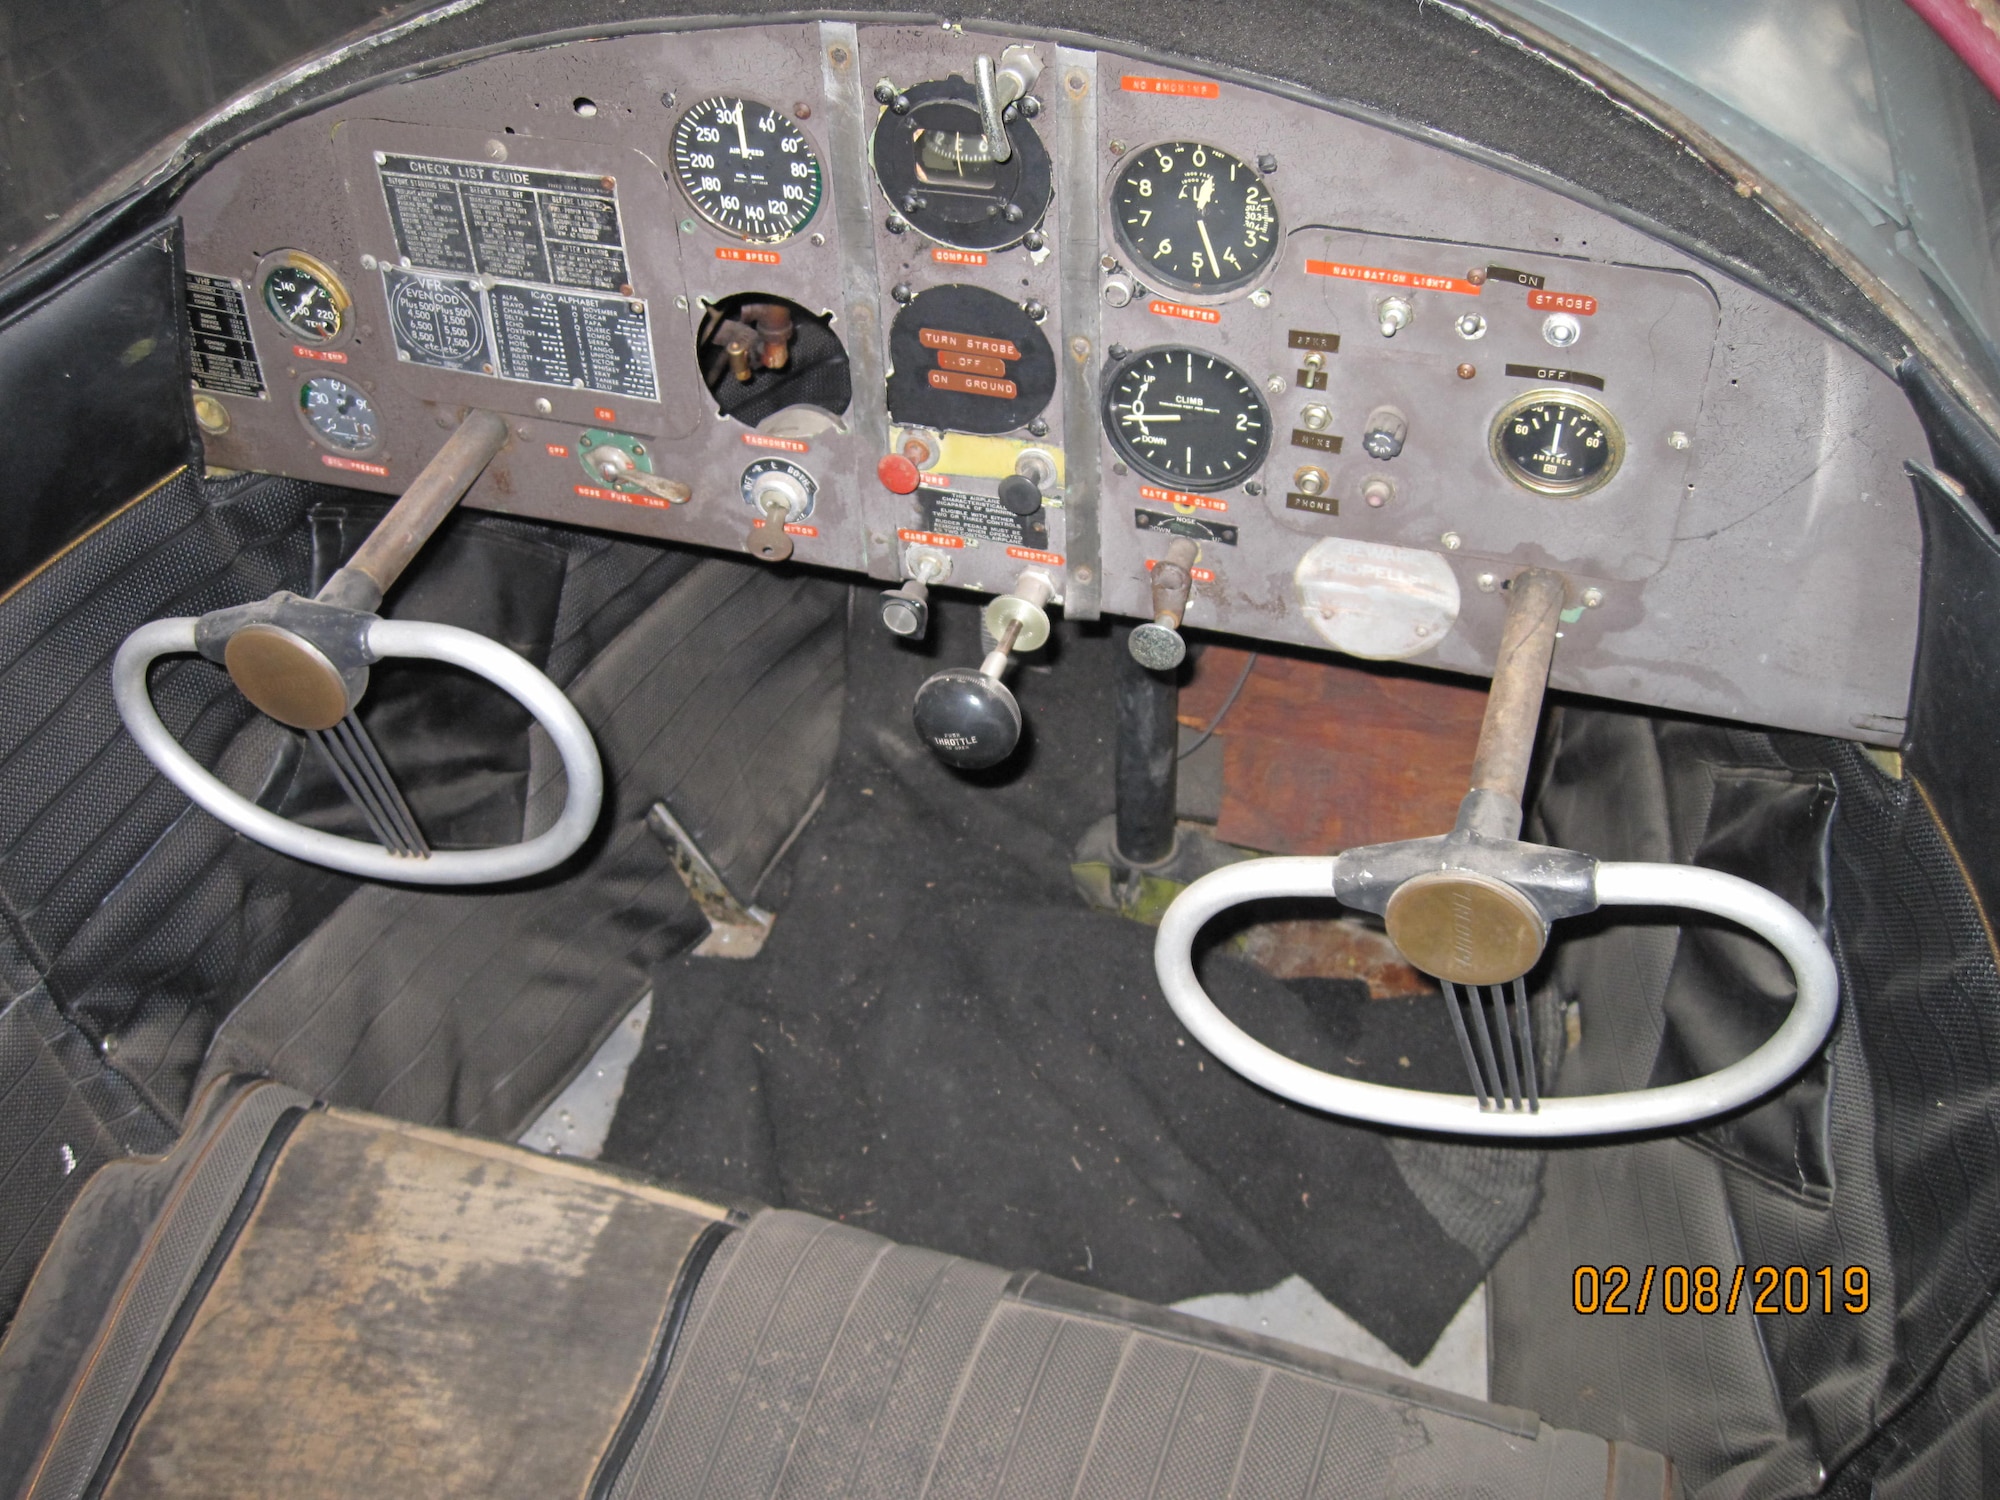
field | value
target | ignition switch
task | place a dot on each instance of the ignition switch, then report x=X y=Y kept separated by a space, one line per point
x=781 y=493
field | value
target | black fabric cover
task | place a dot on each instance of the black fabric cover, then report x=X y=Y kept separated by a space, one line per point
x=473 y=1008
x=94 y=386
x=1909 y=1182
x=941 y=1044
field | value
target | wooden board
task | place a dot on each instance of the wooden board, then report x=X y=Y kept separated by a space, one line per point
x=1321 y=755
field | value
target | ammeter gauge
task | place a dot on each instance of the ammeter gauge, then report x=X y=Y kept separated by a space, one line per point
x=747 y=168
x=339 y=415
x=306 y=296
x=1187 y=418
x=1194 y=217
x=1557 y=443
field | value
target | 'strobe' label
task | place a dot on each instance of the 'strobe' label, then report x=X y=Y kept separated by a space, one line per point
x=514 y=273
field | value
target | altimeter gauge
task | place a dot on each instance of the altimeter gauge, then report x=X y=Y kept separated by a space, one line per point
x=747 y=168
x=1187 y=418
x=1194 y=217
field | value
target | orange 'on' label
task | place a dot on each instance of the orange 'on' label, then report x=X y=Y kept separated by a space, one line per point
x=605 y=414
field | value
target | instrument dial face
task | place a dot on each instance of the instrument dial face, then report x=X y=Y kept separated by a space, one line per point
x=1557 y=443
x=339 y=415
x=1194 y=217
x=308 y=299
x=1187 y=418
x=747 y=168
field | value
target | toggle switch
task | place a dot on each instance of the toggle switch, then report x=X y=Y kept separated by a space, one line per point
x=1157 y=644
x=968 y=717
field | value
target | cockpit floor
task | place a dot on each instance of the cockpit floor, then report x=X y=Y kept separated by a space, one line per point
x=941 y=1043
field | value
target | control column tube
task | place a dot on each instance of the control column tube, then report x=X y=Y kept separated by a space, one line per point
x=1514 y=704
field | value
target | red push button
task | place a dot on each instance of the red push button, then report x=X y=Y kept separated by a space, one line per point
x=898 y=474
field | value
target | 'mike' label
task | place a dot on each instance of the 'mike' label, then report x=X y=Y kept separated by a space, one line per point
x=1319 y=442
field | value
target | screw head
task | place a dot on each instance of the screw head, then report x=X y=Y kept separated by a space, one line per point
x=1679 y=441
x=1452 y=541
x=1261 y=297
x=1253 y=487
x=1033 y=308
x=818 y=239
x=897 y=224
x=1117 y=148
x=1466 y=372
x=1477 y=276
x=1117 y=351
x=1592 y=598
x=1487 y=583
x=667 y=100
x=1039 y=427
x=1032 y=240
x=1470 y=326
x=368 y=262
x=1030 y=106
x=900 y=105
x=1267 y=163
x=1275 y=384
x=687 y=226
x=543 y=406
x=885 y=91
x=902 y=293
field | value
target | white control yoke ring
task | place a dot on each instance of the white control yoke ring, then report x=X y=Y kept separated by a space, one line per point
x=1789 y=1049
x=384 y=638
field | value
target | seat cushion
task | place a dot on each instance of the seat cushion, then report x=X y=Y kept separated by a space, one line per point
x=308 y=1302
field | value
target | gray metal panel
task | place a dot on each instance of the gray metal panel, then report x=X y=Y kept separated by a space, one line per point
x=1767 y=572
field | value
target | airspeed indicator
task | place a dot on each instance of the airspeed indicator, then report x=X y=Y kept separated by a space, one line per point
x=746 y=168
x=1187 y=418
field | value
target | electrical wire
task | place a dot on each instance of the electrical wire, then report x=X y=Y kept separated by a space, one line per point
x=1227 y=704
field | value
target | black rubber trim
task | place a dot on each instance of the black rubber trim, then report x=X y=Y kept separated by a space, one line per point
x=211 y=1267
x=633 y=1423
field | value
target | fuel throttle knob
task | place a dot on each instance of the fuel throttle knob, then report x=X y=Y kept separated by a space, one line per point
x=969 y=718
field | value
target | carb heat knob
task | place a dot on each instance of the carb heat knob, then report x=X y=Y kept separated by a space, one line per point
x=968 y=717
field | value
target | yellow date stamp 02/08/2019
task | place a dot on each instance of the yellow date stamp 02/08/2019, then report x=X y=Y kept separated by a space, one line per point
x=1764 y=1290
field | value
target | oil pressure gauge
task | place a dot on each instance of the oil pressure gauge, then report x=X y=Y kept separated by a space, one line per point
x=1194 y=217
x=339 y=415
x=307 y=297
x=747 y=168
x=1557 y=443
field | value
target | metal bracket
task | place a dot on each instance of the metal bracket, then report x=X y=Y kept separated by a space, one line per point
x=734 y=929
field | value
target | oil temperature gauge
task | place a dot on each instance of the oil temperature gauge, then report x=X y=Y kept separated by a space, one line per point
x=339 y=415
x=1557 y=443
x=306 y=296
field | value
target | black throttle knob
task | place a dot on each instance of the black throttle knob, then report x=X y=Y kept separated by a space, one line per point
x=967 y=718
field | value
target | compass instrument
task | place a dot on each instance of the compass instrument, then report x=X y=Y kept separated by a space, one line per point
x=1187 y=418
x=307 y=297
x=940 y=171
x=747 y=168
x=1194 y=217
x=1557 y=443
